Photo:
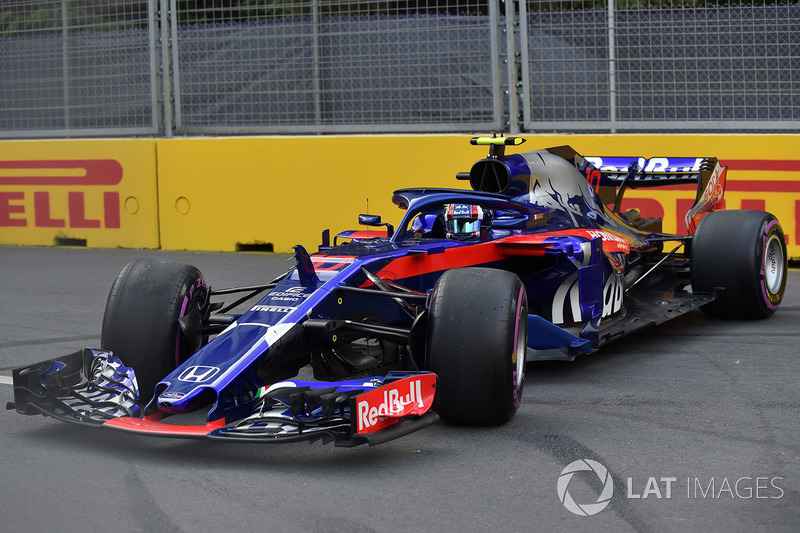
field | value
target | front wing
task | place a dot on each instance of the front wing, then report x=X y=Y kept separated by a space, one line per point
x=94 y=388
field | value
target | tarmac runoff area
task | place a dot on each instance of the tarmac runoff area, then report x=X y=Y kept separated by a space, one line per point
x=690 y=426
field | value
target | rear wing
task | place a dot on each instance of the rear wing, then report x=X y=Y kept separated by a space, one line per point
x=611 y=176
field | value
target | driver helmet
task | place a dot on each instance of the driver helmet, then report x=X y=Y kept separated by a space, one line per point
x=463 y=221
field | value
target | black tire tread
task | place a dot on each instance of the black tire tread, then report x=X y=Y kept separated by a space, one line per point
x=140 y=322
x=726 y=253
x=471 y=313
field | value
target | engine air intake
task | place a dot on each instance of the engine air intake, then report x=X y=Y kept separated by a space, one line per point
x=489 y=175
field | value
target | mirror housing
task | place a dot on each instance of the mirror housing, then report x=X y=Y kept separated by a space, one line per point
x=369 y=220
x=375 y=220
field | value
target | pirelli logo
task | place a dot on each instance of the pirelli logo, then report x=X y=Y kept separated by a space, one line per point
x=82 y=186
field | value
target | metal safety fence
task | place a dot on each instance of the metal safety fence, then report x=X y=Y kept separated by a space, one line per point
x=181 y=67
x=664 y=65
x=324 y=66
x=78 y=68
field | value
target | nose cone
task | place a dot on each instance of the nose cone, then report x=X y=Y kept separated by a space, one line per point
x=197 y=381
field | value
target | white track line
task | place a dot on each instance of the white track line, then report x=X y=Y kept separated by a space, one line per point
x=7 y=380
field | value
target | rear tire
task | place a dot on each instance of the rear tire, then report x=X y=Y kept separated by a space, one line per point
x=476 y=344
x=744 y=253
x=141 y=320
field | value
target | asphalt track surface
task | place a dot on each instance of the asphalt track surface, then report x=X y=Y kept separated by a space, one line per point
x=699 y=400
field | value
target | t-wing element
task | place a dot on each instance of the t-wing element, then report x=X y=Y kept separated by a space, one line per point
x=497 y=145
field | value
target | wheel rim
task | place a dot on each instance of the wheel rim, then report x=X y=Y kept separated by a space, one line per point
x=521 y=348
x=773 y=264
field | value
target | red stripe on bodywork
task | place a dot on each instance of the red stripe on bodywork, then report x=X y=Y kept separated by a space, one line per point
x=527 y=245
x=456 y=257
x=330 y=262
x=477 y=254
x=612 y=241
x=367 y=233
x=151 y=426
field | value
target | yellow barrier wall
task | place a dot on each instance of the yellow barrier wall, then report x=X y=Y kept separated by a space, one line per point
x=215 y=193
x=102 y=192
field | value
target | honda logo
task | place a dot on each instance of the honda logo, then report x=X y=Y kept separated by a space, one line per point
x=198 y=374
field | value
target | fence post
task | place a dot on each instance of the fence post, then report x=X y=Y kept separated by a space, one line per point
x=511 y=59
x=174 y=69
x=525 y=60
x=494 y=23
x=316 y=82
x=152 y=44
x=65 y=77
x=612 y=65
x=166 y=7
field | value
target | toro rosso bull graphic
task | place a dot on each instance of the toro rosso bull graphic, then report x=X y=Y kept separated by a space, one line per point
x=393 y=328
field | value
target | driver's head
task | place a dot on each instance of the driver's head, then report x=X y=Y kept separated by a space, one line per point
x=462 y=221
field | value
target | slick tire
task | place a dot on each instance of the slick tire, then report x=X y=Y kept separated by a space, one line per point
x=476 y=345
x=742 y=255
x=141 y=323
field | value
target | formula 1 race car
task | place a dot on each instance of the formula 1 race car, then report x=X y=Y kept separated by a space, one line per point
x=434 y=318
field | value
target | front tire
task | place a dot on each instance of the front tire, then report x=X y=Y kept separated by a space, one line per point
x=141 y=323
x=476 y=344
x=743 y=253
